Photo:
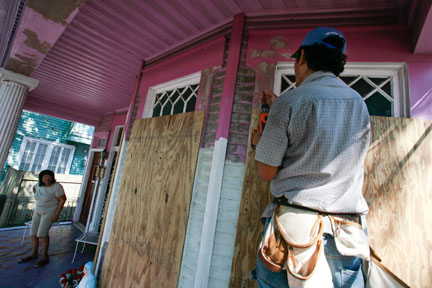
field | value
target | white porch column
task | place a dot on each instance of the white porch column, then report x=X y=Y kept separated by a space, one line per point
x=13 y=92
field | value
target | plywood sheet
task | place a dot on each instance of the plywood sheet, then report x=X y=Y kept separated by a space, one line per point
x=398 y=189
x=398 y=185
x=255 y=197
x=147 y=237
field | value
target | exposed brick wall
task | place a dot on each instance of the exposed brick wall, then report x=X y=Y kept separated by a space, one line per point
x=242 y=109
x=212 y=114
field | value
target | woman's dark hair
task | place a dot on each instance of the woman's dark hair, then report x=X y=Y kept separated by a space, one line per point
x=46 y=172
x=320 y=57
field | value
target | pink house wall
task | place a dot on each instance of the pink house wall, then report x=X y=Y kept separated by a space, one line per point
x=364 y=44
x=205 y=56
x=118 y=120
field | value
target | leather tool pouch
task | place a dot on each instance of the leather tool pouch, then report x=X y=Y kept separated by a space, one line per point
x=293 y=242
x=273 y=250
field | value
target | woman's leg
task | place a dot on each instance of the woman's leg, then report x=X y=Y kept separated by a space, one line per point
x=34 y=240
x=42 y=234
x=44 y=243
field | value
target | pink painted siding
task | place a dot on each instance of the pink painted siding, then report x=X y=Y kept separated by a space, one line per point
x=390 y=43
x=205 y=56
x=118 y=120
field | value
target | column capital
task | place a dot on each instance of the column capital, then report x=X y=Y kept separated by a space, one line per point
x=6 y=75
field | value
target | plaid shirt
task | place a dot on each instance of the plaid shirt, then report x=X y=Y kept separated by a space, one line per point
x=318 y=135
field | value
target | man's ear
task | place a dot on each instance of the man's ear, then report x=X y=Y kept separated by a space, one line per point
x=302 y=58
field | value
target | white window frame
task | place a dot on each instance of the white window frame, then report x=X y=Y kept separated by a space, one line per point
x=399 y=72
x=191 y=79
x=48 y=153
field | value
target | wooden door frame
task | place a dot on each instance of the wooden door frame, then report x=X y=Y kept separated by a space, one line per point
x=103 y=185
x=84 y=183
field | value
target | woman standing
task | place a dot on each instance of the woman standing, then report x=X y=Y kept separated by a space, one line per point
x=49 y=201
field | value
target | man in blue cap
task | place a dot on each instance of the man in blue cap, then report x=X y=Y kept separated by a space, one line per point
x=313 y=149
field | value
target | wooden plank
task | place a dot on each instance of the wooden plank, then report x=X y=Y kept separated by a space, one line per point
x=398 y=185
x=255 y=197
x=147 y=237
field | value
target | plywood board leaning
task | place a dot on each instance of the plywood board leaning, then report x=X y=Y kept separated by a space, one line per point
x=255 y=197
x=398 y=185
x=147 y=237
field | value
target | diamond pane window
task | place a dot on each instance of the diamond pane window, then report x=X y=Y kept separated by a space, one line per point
x=175 y=101
x=376 y=86
x=378 y=105
x=376 y=91
x=287 y=83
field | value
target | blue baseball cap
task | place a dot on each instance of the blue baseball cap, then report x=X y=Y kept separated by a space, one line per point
x=317 y=36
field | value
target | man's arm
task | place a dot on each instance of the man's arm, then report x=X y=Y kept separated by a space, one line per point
x=265 y=171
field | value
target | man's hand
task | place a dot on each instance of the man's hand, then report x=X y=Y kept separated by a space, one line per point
x=255 y=137
x=268 y=96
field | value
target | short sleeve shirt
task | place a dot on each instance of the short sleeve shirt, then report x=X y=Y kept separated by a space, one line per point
x=46 y=197
x=318 y=135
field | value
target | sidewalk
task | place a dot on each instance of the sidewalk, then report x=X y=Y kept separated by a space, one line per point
x=60 y=252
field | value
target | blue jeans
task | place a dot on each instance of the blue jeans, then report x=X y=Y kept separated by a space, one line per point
x=346 y=270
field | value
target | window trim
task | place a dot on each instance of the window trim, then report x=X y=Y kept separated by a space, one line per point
x=399 y=71
x=48 y=153
x=191 y=79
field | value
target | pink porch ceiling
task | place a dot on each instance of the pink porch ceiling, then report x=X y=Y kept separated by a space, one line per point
x=90 y=70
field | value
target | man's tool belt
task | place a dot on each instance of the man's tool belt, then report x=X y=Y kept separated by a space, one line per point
x=293 y=241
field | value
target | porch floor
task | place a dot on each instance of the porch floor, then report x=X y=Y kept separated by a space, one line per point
x=60 y=251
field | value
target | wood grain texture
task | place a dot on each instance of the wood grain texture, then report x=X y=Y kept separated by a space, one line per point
x=147 y=237
x=398 y=185
x=255 y=197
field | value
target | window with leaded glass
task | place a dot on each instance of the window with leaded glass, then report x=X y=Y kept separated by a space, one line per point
x=173 y=97
x=36 y=155
x=179 y=100
x=382 y=86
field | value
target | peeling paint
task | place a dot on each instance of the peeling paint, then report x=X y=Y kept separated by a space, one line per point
x=55 y=10
x=263 y=53
x=23 y=65
x=286 y=55
x=264 y=81
x=205 y=87
x=278 y=42
x=32 y=41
